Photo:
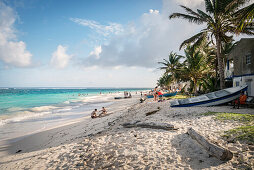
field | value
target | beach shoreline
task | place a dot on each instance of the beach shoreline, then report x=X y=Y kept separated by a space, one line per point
x=16 y=125
x=15 y=143
x=103 y=143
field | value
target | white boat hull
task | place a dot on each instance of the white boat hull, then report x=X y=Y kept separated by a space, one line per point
x=211 y=99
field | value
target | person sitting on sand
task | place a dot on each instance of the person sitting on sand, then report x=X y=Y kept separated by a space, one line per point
x=103 y=111
x=240 y=100
x=93 y=114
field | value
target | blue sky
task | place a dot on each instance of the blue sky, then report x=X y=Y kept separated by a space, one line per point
x=88 y=43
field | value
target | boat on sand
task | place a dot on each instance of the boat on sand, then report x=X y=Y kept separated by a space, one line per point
x=163 y=95
x=211 y=99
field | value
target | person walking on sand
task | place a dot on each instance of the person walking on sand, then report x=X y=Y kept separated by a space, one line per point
x=93 y=114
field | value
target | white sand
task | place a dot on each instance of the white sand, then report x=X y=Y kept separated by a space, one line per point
x=104 y=144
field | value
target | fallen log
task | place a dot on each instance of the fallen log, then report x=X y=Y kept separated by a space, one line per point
x=164 y=126
x=217 y=151
x=152 y=112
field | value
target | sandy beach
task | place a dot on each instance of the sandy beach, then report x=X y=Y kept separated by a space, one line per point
x=103 y=143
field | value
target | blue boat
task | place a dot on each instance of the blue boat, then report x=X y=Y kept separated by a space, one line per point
x=164 y=95
x=169 y=94
x=211 y=99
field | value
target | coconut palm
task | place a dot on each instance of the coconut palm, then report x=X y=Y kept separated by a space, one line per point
x=171 y=66
x=222 y=17
x=245 y=17
x=164 y=80
x=195 y=67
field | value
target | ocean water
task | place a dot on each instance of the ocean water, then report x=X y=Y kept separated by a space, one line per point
x=41 y=108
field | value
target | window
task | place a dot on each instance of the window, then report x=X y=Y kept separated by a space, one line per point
x=237 y=83
x=248 y=59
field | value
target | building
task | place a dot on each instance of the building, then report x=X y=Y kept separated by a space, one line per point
x=240 y=64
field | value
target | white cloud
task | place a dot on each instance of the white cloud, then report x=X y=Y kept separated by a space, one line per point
x=151 y=11
x=12 y=52
x=96 y=52
x=60 y=58
x=145 y=42
x=190 y=3
x=105 y=30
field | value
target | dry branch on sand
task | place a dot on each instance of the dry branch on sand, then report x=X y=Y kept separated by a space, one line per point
x=152 y=125
x=217 y=151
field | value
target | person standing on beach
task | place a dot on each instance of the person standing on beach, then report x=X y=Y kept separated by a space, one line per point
x=93 y=114
x=155 y=94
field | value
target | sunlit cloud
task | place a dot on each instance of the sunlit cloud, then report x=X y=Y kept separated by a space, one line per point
x=105 y=30
x=12 y=51
x=145 y=42
x=190 y=3
x=96 y=52
x=60 y=58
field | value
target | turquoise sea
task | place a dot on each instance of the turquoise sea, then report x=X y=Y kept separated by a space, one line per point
x=21 y=108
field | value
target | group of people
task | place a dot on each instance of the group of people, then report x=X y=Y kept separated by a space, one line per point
x=156 y=93
x=94 y=113
x=127 y=94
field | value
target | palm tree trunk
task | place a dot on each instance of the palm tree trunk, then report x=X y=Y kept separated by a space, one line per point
x=195 y=86
x=216 y=73
x=220 y=62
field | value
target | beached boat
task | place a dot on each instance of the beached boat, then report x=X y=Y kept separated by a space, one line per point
x=169 y=94
x=163 y=95
x=211 y=99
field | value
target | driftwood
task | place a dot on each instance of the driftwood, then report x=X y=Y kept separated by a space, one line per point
x=217 y=151
x=152 y=112
x=164 y=126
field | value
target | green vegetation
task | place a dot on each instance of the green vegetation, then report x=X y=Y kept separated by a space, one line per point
x=171 y=68
x=243 y=133
x=179 y=96
x=205 y=52
x=244 y=118
x=223 y=19
x=209 y=113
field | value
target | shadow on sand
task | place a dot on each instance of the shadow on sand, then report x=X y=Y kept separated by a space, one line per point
x=193 y=153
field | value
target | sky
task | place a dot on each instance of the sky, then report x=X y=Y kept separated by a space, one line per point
x=88 y=43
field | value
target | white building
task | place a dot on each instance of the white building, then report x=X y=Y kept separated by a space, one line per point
x=240 y=64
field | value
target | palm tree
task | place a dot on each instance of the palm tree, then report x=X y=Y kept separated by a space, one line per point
x=245 y=16
x=164 y=80
x=221 y=18
x=195 y=66
x=171 y=66
x=208 y=83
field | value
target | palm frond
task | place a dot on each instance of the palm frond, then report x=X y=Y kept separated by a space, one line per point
x=192 y=39
x=190 y=11
x=190 y=18
x=235 y=4
x=209 y=6
x=206 y=17
x=245 y=16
